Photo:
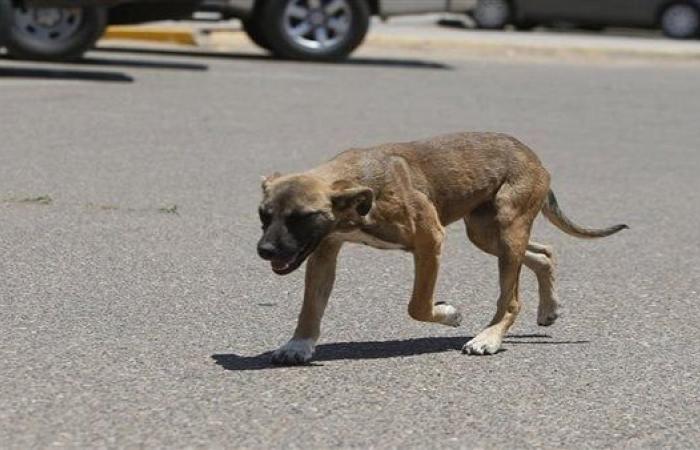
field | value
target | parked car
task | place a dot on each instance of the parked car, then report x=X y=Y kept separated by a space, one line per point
x=65 y=29
x=677 y=18
x=320 y=29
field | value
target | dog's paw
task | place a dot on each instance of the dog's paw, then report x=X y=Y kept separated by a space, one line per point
x=484 y=344
x=294 y=352
x=547 y=316
x=545 y=320
x=450 y=316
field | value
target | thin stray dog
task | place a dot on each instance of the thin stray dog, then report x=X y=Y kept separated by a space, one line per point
x=402 y=196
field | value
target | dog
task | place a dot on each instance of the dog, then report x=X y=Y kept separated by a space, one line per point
x=402 y=196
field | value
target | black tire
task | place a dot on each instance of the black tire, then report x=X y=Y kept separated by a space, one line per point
x=680 y=21
x=283 y=45
x=492 y=14
x=253 y=28
x=25 y=38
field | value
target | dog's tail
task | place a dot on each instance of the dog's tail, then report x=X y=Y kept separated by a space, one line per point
x=555 y=215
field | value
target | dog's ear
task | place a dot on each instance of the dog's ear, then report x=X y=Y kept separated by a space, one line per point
x=359 y=198
x=266 y=180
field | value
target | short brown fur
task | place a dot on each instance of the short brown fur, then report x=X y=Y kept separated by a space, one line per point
x=403 y=196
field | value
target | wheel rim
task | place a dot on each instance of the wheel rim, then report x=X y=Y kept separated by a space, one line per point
x=317 y=25
x=681 y=20
x=48 y=24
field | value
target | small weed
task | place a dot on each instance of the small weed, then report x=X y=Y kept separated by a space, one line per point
x=38 y=200
x=105 y=207
x=170 y=209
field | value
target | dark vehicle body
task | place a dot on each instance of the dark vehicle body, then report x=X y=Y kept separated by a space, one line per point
x=677 y=18
x=316 y=30
x=65 y=29
x=123 y=12
x=618 y=13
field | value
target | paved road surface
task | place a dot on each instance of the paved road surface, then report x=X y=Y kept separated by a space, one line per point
x=135 y=313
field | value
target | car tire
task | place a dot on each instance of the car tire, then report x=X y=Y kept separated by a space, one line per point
x=51 y=34
x=297 y=29
x=680 y=21
x=492 y=14
x=255 y=31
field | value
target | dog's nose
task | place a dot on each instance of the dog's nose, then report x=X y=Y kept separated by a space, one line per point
x=267 y=250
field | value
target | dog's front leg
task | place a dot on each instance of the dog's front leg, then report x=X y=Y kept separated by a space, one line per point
x=320 y=275
x=427 y=263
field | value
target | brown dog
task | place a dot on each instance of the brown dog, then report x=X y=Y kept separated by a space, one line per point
x=401 y=196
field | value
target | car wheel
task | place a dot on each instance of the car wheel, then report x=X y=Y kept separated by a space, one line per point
x=315 y=30
x=680 y=21
x=492 y=14
x=51 y=33
x=253 y=28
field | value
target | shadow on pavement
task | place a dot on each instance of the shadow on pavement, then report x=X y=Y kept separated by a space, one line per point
x=141 y=64
x=64 y=74
x=364 y=61
x=376 y=350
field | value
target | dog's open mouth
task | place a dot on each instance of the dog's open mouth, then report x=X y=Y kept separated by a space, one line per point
x=284 y=266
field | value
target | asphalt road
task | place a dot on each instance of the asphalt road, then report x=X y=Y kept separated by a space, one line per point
x=134 y=311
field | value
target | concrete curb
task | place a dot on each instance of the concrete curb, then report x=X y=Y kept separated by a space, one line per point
x=475 y=43
x=546 y=47
x=514 y=45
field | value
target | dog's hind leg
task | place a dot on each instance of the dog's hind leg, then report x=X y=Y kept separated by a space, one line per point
x=509 y=241
x=428 y=240
x=540 y=259
x=320 y=276
x=482 y=230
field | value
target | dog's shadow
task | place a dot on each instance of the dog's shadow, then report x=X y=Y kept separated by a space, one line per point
x=377 y=350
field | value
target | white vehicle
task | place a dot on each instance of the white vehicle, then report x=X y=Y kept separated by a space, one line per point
x=320 y=30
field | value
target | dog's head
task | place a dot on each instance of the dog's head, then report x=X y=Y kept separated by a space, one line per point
x=298 y=211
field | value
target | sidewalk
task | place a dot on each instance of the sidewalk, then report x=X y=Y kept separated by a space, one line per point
x=423 y=33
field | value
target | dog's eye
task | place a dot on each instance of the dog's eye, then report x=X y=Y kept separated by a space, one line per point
x=265 y=217
x=297 y=218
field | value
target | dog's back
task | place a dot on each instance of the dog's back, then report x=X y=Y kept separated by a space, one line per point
x=455 y=171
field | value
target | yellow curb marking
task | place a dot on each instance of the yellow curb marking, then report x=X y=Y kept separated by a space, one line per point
x=153 y=34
